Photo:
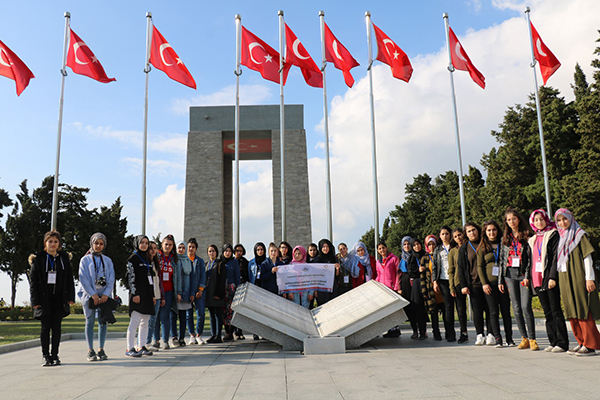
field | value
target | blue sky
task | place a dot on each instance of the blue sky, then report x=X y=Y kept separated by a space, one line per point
x=102 y=125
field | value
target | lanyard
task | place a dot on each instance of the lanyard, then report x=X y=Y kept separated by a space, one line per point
x=445 y=249
x=539 y=249
x=471 y=244
x=515 y=246
x=496 y=252
x=168 y=260
x=96 y=267
x=51 y=260
x=144 y=261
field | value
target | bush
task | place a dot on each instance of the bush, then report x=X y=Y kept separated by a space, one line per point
x=77 y=308
x=16 y=314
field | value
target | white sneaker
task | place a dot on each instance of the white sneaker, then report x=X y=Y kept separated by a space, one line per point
x=490 y=340
x=192 y=340
x=200 y=341
x=549 y=349
x=558 y=349
x=480 y=341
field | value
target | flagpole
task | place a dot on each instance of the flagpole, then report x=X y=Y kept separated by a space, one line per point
x=236 y=187
x=145 y=157
x=282 y=123
x=539 y=115
x=326 y=129
x=63 y=72
x=458 y=154
x=374 y=142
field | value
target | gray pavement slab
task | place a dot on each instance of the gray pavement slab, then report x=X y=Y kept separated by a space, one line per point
x=398 y=368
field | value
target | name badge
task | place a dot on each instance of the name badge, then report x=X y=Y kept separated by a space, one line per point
x=150 y=281
x=165 y=276
x=346 y=279
x=52 y=278
x=515 y=261
x=495 y=270
x=538 y=267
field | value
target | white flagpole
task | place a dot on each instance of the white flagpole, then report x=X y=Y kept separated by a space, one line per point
x=145 y=157
x=458 y=154
x=374 y=142
x=539 y=115
x=63 y=72
x=236 y=186
x=282 y=123
x=326 y=129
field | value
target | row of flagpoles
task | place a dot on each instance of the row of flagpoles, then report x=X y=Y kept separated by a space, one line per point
x=257 y=55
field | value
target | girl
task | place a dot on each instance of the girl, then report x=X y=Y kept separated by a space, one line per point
x=491 y=274
x=199 y=298
x=459 y=298
x=96 y=281
x=232 y=268
x=387 y=272
x=434 y=301
x=301 y=298
x=216 y=279
x=544 y=278
x=313 y=257
x=285 y=250
x=346 y=272
x=363 y=263
x=187 y=288
x=441 y=279
x=52 y=290
x=154 y=323
x=517 y=263
x=167 y=257
x=182 y=304
x=240 y=252
x=576 y=278
x=326 y=256
x=140 y=276
x=260 y=254
x=408 y=272
x=268 y=270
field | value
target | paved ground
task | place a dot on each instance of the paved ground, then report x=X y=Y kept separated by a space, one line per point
x=383 y=369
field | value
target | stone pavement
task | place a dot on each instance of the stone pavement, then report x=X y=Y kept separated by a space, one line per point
x=382 y=369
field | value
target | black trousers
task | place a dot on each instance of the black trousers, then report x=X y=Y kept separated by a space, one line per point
x=499 y=302
x=479 y=304
x=444 y=286
x=52 y=323
x=556 y=327
x=461 y=309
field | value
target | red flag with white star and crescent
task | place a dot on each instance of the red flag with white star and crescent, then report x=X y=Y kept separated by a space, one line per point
x=391 y=54
x=297 y=55
x=261 y=57
x=547 y=60
x=13 y=68
x=163 y=57
x=461 y=61
x=82 y=60
x=341 y=58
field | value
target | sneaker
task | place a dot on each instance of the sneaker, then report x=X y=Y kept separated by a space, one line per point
x=91 y=356
x=490 y=340
x=228 y=337
x=211 y=339
x=47 y=361
x=584 y=351
x=102 y=355
x=510 y=343
x=423 y=336
x=56 y=360
x=174 y=342
x=415 y=335
x=480 y=341
x=217 y=339
x=255 y=337
x=145 y=352
x=533 y=345
x=156 y=345
x=166 y=346
x=498 y=343
x=133 y=353
x=192 y=340
x=575 y=349
x=200 y=341
x=464 y=338
x=437 y=336
x=524 y=344
x=549 y=349
x=241 y=337
x=392 y=333
x=558 y=349
x=181 y=342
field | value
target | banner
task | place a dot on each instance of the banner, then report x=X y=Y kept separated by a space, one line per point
x=293 y=278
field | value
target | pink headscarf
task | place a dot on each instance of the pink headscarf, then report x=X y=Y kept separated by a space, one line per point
x=302 y=251
x=549 y=224
x=569 y=238
x=428 y=239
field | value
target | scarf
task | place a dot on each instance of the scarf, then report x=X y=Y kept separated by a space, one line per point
x=569 y=238
x=136 y=244
x=95 y=237
x=406 y=254
x=364 y=260
x=259 y=259
x=549 y=224
x=417 y=254
x=303 y=252
x=328 y=258
x=225 y=260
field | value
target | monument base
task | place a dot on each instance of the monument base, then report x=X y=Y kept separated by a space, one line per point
x=315 y=345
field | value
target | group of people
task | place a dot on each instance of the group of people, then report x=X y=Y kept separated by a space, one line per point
x=492 y=266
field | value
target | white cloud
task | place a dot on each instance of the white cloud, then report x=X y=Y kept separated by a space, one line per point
x=249 y=94
x=511 y=4
x=475 y=5
x=166 y=214
x=161 y=168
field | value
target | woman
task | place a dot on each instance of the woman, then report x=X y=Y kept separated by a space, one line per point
x=459 y=298
x=268 y=270
x=518 y=262
x=180 y=304
x=577 y=281
x=301 y=298
x=312 y=256
x=326 y=256
x=52 y=290
x=285 y=250
x=441 y=279
x=470 y=284
x=232 y=269
x=260 y=254
x=186 y=288
x=96 y=282
x=363 y=262
x=347 y=271
x=154 y=323
x=434 y=301
x=167 y=257
x=240 y=252
x=387 y=274
x=408 y=277
x=140 y=276
x=216 y=278
x=199 y=281
x=544 y=278
x=491 y=274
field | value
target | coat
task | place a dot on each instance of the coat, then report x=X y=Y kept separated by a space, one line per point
x=216 y=278
x=91 y=268
x=39 y=289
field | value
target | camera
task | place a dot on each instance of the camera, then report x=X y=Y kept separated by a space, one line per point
x=101 y=281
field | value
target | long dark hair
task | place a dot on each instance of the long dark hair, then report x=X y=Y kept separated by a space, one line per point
x=173 y=249
x=446 y=228
x=485 y=241
x=524 y=229
x=474 y=225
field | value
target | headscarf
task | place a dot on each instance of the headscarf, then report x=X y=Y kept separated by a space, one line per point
x=177 y=247
x=549 y=224
x=302 y=251
x=328 y=258
x=136 y=244
x=406 y=254
x=345 y=262
x=259 y=259
x=569 y=238
x=95 y=237
x=364 y=260
x=429 y=238
x=224 y=259
x=243 y=249
x=417 y=254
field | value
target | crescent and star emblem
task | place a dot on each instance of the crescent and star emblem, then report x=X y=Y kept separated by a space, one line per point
x=335 y=50
x=395 y=54
x=296 y=52
x=232 y=147
x=538 y=44
x=2 y=51
x=162 y=56
x=76 y=47
x=458 y=51
x=251 y=47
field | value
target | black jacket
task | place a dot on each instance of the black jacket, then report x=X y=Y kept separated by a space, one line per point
x=550 y=271
x=216 y=279
x=39 y=289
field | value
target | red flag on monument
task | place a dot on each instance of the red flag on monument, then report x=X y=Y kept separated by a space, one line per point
x=261 y=57
x=82 y=60
x=461 y=61
x=337 y=54
x=13 y=68
x=297 y=55
x=163 y=57
x=548 y=62
x=389 y=53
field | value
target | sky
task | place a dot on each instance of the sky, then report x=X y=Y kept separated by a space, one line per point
x=103 y=123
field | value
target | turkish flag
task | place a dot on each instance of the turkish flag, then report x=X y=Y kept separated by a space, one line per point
x=297 y=55
x=461 y=61
x=341 y=58
x=247 y=146
x=388 y=52
x=261 y=57
x=82 y=60
x=163 y=57
x=548 y=62
x=13 y=68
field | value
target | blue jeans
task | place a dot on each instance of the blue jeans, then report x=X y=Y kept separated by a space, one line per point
x=174 y=323
x=302 y=299
x=200 y=310
x=165 y=316
x=216 y=320
x=152 y=332
x=89 y=331
x=520 y=297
